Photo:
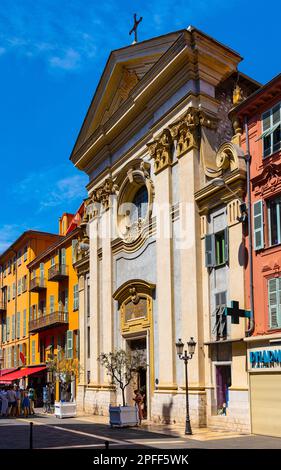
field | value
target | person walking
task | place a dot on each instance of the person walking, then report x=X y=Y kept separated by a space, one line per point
x=12 y=399
x=4 y=402
x=138 y=399
x=26 y=404
x=18 y=397
x=31 y=396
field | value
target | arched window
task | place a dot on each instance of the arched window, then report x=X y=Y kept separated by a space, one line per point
x=140 y=202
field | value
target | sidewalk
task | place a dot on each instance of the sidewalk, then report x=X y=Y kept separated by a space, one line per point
x=173 y=430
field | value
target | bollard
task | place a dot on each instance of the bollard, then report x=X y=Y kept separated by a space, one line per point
x=31 y=435
x=106 y=445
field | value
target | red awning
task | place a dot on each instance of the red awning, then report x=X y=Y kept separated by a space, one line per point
x=18 y=374
x=5 y=371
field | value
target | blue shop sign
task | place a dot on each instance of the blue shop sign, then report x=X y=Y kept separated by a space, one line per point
x=265 y=358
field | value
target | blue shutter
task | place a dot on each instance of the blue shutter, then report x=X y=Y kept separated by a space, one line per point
x=258 y=225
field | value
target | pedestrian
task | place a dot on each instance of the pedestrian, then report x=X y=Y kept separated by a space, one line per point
x=138 y=399
x=4 y=402
x=26 y=404
x=31 y=396
x=12 y=400
x=18 y=397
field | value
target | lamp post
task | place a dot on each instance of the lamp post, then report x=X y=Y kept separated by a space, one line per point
x=186 y=357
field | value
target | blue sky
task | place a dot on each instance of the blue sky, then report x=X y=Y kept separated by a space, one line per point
x=52 y=53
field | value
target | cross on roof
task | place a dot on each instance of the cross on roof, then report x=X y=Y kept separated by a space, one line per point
x=235 y=312
x=135 y=27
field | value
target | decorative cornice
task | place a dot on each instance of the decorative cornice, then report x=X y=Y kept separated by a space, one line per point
x=161 y=150
x=102 y=194
x=268 y=181
x=186 y=130
x=130 y=289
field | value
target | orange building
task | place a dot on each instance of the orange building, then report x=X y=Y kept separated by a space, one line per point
x=258 y=124
x=16 y=298
x=53 y=324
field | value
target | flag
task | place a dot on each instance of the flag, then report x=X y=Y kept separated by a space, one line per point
x=22 y=357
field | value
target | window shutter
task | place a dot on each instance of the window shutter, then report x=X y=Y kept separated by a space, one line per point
x=41 y=271
x=78 y=344
x=18 y=325
x=226 y=245
x=258 y=225
x=74 y=244
x=13 y=327
x=209 y=251
x=24 y=323
x=62 y=256
x=8 y=329
x=52 y=303
x=66 y=300
x=273 y=303
x=69 y=344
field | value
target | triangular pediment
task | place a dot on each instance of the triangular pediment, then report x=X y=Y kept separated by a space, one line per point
x=124 y=69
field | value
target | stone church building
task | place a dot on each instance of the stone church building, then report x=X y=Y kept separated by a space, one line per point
x=162 y=252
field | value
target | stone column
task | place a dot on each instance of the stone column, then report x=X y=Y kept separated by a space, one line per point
x=94 y=301
x=164 y=286
x=82 y=330
x=107 y=301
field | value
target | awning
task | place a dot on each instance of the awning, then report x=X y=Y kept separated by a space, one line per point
x=18 y=374
x=5 y=371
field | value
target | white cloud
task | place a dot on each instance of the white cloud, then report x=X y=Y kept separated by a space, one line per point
x=8 y=234
x=47 y=189
x=69 y=61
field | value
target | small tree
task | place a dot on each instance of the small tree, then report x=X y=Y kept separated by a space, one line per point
x=63 y=368
x=122 y=366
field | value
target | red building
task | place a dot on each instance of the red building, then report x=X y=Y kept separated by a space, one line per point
x=257 y=121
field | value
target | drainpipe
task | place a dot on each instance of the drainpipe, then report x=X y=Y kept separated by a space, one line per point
x=250 y=235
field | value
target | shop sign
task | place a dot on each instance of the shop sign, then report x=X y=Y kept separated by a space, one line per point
x=265 y=358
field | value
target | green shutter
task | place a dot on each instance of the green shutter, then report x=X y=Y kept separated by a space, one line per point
x=75 y=297
x=18 y=325
x=13 y=326
x=41 y=271
x=74 y=244
x=69 y=344
x=226 y=246
x=62 y=256
x=52 y=303
x=209 y=251
x=8 y=329
x=274 y=300
x=24 y=323
x=33 y=352
x=258 y=225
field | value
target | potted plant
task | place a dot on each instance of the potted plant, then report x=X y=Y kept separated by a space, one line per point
x=64 y=371
x=122 y=367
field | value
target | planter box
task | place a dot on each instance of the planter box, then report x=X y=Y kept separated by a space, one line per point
x=123 y=416
x=65 y=409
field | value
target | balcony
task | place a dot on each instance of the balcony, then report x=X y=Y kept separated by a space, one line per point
x=58 y=272
x=48 y=321
x=37 y=284
x=3 y=306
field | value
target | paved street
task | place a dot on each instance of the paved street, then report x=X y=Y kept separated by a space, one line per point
x=92 y=432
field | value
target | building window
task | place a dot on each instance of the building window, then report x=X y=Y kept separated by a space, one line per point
x=69 y=344
x=19 y=286
x=14 y=290
x=25 y=254
x=33 y=352
x=75 y=297
x=88 y=300
x=216 y=249
x=220 y=328
x=274 y=302
x=271 y=130
x=18 y=325
x=274 y=219
x=140 y=203
x=88 y=342
x=19 y=258
x=24 y=323
x=223 y=382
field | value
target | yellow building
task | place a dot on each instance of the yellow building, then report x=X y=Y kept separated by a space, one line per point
x=15 y=297
x=53 y=322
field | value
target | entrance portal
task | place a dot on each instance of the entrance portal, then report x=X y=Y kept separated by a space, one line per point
x=140 y=380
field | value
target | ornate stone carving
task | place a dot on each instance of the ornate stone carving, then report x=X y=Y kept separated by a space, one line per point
x=229 y=157
x=135 y=298
x=238 y=95
x=161 y=151
x=102 y=194
x=186 y=130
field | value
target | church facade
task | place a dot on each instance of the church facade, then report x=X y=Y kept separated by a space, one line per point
x=162 y=251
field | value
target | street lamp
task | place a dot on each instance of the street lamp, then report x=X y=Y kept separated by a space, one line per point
x=191 y=344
